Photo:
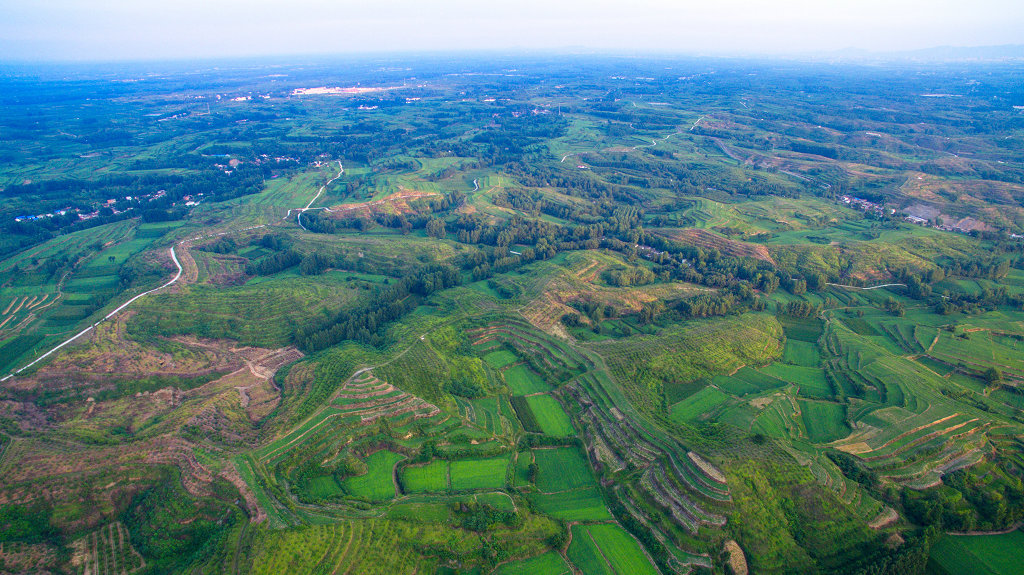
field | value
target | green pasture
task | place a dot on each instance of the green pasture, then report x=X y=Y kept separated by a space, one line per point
x=501 y=358
x=583 y=504
x=802 y=353
x=810 y=379
x=698 y=404
x=497 y=500
x=824 y=421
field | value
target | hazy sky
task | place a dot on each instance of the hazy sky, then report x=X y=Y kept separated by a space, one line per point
x=171 y=29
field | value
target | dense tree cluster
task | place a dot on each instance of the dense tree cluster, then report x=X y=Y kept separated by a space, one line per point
x=366 y=322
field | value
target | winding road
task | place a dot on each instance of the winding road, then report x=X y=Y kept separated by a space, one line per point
x=298 y=217
x=866 y=288
x=174 y=257
x=177 y=276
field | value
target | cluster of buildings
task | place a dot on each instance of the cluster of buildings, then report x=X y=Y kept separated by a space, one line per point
x=60 y=212
x=921 y=215
x=865 y=205
x=110 y=203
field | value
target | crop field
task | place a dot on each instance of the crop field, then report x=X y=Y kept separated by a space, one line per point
x=562 y=469
x=523 y=381
x=698 y=404
x=549 y=415
x=500 y=358
x=378 y=482
x=432 y=477
x=811 y=380
x=469 y=474
x=978 y=555
x=801 y=353
x=550 y=563
x=607 y=548
x=583 y=504
x=824 y=421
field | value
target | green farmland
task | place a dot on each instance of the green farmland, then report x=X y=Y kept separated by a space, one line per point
x=607 y=549
x=432 y=477
x=513 y=314
x=550 y=416
x=978 y=555
x=376 y=484
x=479 y=473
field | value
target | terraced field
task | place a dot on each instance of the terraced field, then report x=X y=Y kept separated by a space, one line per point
x=980 y=554
x=546 y=564
x=369 y=399
x=615 y=317
x=607 y=548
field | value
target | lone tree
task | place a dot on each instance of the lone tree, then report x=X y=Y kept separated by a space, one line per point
x=993 y=376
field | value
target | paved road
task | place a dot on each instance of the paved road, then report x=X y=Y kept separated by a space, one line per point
x=177 y=276
x=866 y=288
x=298 y=218
x=174 y=257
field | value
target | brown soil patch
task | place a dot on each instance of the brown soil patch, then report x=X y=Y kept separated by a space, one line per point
x=706 y=466
x=994 y=200
x=190 y=271
x=107 y=355
x=256 y=514
x=546 y=310
x=734 y=248
x=397 y=202
x=884 y=519
x=737 y=561
x=28 y=557
x=916 y=429
x=854 y=448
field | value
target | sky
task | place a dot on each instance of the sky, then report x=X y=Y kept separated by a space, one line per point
x=203 y=29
